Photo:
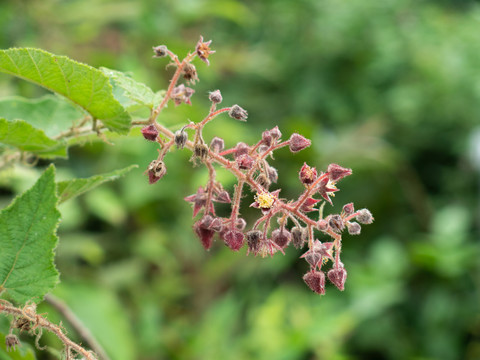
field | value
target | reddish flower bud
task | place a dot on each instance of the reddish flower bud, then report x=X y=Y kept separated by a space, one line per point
x=275 y=133
x=241 y=149
x=150 y=132
x=244 y=162
x=322 y=225
x=217 y=144
x=348 y=209
x=267 y=138
x=336 y=223
x=315 y=281
x=272 y=174
x=215 y=97
x=216 y=225
x=223 y=197
x=281 y=237
x=237 y=113
x=307 y=174
x=364 y=216
x=160 y=51
x=181 y=93
x=156 y=170
x=354 y=228
x=298 y=237
x=201 y=228
x=336 y=172
x=180 y=138
x=338 y=276
x=234 y=239
x=298 y=143
x=240 y=224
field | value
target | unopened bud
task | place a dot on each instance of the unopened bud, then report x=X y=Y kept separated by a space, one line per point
x=272 y=174
x=237 y=113
x=298 y=237
x=240 y=224
x=234 y=239
x=150 y=132
x=216 y=225
x=307 y=174
x=354 y=228
x=160 y=51
x=338 y=276
x=217 y=145
x=337 y=172
x=336 y=223
x=215 y=97
x=298 y=143
x=181 y=138
x=241 y=149
x=322 y=225
x=267 y=138
x=223 y=197
x=244 y=162
x=348 y=209
x=275 y=133
x=315 y=281
x=281 y=237
x=364 y=216
x=204 y=233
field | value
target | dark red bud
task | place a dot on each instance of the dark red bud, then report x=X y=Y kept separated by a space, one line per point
x=298 y=143
x=336 y=172
x=203 y=232
x=338 y=277
x=307 y=174
x=150 y=132
x=244 y=162
x=241 y=149
x=156 y=170
x=267 y=138
x=234 y=239
x=348 y=209
x=315 y=281
x=281 y=237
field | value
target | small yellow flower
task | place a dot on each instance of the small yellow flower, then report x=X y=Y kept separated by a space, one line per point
x=265 y=200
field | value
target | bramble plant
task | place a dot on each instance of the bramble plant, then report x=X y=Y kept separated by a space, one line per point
x=100 y=101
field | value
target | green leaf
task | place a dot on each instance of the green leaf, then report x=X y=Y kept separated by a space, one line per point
x=82 y=84
x=28 y=240
x=129 y=92
x=52 y=114
x=72 y=188
x=25 y=137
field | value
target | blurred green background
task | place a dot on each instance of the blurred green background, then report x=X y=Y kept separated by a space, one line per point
x=388 y=88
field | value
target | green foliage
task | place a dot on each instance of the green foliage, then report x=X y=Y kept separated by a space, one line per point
x=48 y=113
x=72 y=188
x=84 y=85
x=23 y=136
x=28 y=240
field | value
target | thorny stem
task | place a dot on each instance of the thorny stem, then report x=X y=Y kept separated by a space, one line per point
x=236 y=201
x=308 y=192
x=38 y=321
x=211 y=183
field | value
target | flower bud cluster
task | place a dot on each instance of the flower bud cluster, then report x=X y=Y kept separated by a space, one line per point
x=280 y=222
